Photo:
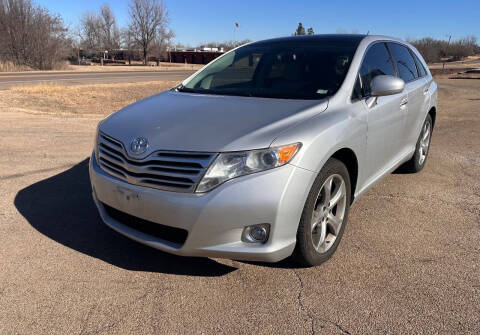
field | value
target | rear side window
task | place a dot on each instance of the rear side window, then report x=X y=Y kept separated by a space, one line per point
x=420 y=68
x=404 y=61
x=377 y=62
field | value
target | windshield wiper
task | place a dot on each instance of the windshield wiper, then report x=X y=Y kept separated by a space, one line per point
x=181 y=88
x=238 y=94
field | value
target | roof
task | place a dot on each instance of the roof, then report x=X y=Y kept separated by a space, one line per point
x=325 y=38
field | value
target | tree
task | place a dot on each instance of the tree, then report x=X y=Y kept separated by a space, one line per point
x=300 y=30
x=99 y=31
x=310 y=31
x=434 y=50
x=109 y=32
x=31 y=36
x=128 y=43
x=90 y=32
x=149 y=24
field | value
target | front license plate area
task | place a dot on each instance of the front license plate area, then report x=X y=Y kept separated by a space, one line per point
x=127 y=200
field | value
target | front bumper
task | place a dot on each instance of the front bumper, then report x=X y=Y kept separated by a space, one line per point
x=214 y=220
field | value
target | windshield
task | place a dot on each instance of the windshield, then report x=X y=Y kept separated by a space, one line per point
x=290 y=70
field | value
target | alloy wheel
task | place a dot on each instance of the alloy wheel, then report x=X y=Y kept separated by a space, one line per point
x=328 y=213
x=424 y=143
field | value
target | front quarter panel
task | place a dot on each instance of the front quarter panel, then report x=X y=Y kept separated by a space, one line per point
x=323 y=135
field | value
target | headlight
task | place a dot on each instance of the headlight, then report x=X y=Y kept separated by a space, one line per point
x=235 y=164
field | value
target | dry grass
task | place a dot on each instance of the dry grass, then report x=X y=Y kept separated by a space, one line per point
x=8 y=66
x=78 y=100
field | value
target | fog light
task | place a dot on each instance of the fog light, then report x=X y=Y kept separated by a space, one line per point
x=256 y=233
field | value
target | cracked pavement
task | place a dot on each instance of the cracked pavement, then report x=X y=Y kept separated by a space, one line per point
x=408 y=261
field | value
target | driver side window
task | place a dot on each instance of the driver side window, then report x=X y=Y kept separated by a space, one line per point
x=377 y=62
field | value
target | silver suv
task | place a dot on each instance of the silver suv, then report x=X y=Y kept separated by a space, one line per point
x=260 y=154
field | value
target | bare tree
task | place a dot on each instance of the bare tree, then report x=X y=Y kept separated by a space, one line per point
x=110 y=34
x=30 y=35
x=129 y=44
x=149 y=24
x=466 y=46
x=434 y=50
x=90 y=31
x=99 y=31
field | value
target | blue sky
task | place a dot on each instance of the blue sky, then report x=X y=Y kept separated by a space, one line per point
x=196 y=22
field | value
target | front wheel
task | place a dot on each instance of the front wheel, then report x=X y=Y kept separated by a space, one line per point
x=324 y=216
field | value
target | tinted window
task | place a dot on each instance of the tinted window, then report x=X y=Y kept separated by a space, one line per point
x=296 y=70
x=420 y=68
x=377 y=62
x=240 y=71
x=404 y=60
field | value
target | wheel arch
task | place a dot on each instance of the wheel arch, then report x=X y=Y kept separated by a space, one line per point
x=433 y=114
x=348 y=157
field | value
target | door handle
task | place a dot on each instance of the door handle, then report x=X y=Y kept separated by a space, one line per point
x=425 y=90
x=403 y=102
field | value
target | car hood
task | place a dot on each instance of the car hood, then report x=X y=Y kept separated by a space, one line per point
x=209 y=123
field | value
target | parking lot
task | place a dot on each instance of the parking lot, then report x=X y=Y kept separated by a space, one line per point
x=409 y=261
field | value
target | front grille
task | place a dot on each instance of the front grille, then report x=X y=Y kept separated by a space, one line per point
x=166 y=170
x=174 y=235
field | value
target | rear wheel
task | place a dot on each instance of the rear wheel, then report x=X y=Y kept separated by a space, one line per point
x=417 y=162
x=324 y=216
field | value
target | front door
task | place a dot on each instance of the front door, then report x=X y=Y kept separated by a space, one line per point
x=386 y=118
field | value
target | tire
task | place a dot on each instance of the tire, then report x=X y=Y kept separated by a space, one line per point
x=419 y=159
x=317 y=220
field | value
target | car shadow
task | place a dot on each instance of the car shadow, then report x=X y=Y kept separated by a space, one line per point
x=61 y=207
x=402 y=170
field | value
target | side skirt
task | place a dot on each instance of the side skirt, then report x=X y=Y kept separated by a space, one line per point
x=386 y=171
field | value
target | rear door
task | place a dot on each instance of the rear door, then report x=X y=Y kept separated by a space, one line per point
x=386 y=119
x=416 y=87
x=415 y=124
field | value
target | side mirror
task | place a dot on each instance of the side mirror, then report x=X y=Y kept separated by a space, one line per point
x=386 y=85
